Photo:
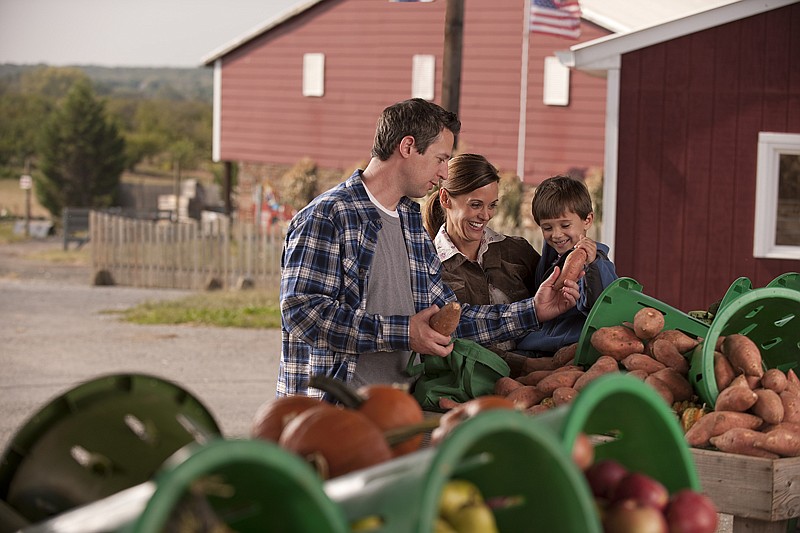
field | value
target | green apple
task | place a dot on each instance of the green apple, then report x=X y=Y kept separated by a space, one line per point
x=476 y=518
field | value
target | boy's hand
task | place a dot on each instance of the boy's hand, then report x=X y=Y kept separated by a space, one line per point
x=588 y=246
x=550 y=302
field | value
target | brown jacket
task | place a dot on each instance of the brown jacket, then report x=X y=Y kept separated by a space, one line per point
x=508 y=265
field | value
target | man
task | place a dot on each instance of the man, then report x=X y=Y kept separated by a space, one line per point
x=360 y=278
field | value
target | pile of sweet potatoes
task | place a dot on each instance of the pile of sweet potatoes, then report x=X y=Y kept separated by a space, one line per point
x=757 y=412
x=642 y=347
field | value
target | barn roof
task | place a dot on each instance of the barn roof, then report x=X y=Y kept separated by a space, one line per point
x=604 y=53
x=613 y=15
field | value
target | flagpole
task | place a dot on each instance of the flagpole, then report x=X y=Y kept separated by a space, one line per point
x=523 y=92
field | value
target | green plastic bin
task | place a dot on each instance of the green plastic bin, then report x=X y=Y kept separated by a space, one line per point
x=505 y=453
x=618 y=303
x=629 y=423
x=260 y=488
x=103 y=436
x=769 y=316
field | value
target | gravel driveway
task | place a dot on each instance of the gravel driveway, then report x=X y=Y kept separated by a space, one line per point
x=56 y=332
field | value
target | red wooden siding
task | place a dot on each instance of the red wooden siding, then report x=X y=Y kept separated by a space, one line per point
x=690 y=113
x=368 y=47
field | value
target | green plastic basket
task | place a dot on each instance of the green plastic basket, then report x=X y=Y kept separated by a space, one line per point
x=769 y=316
x=103 y=436
x=618 y=303
x=634 y=426
x=505 y=453
x=270 y=490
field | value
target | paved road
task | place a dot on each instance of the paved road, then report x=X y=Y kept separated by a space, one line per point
x=56 y=332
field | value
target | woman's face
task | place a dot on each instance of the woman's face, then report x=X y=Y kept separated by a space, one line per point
x=468 y=214
x=564 y=232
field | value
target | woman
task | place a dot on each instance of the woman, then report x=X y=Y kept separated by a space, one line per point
x=481 y=265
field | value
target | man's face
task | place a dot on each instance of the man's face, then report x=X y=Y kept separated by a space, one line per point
x=428 y=168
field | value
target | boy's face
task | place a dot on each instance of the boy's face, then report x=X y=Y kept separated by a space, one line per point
x=564 y=232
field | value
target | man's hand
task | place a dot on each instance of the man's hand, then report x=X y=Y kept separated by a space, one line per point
x=549 y=302
x=426 y=340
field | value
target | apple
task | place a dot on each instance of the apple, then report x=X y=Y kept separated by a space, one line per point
x=603 y=477
x=691 y=512
x=643 y=489
x=583 y=451
x=629 y=517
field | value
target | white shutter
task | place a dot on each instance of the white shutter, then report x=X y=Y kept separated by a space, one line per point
x=313 y=74
x=556 y=82
x=423 y=76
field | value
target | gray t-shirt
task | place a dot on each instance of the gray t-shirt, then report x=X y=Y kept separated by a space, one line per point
x=388 y=293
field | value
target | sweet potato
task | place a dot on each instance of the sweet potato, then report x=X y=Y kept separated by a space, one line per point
x=667 y=353
x=740 y=381
x=661 y=388
x=754 y=382
x=718 y=422
x=604 y=365
x=616 y=341
x=504 y=385
x=743 y=354
x=446 y=404
x=774 y=379
x=525 y=396
x=638 y=374
x=742 y=441
x=573 y=266
x=792 y=378
x=557 y=380
x=678 y=384
x=681 y=340
x=640 y=361
x=736 y=399
x=533 y=364
x=532 y=378
x=723 y=371
x=791 y=406
x=782 y=441
x=647 y=323
x=769 y=406
x=565 y=355
x=538 y=408
x=564 y=395
x=445 y=320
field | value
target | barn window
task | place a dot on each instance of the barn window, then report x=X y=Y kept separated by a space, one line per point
x=423 y=75
x=313 y=74
x=556 y=82
x=777 y=224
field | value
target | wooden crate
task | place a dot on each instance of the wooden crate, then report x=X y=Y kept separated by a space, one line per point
x=763 y=495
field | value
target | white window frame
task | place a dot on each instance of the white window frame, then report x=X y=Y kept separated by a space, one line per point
x=314 y=74
x=556 y=82
x=423 y=76
x=770 y=147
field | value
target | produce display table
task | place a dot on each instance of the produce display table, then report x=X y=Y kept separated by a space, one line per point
x=763 y=495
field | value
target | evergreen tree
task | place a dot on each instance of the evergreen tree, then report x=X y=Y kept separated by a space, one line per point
x=82 y=155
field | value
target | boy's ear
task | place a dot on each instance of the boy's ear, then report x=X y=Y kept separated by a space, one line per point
x=587 y=222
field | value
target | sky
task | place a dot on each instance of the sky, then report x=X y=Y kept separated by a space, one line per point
x=126 y=33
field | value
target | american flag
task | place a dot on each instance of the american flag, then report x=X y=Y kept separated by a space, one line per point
x=556 y=17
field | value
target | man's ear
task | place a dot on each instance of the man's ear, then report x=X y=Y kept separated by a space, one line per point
x=406 y=145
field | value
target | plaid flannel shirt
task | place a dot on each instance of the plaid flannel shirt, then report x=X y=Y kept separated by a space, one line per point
x=324 y=274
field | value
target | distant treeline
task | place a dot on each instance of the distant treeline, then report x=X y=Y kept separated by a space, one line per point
x=134 y=82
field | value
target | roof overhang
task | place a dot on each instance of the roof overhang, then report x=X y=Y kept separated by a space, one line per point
x=279 y=19
x=605 y=53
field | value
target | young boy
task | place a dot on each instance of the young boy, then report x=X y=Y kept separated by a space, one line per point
x=562 y=208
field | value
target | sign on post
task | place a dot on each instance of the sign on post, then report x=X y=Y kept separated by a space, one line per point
x=25 y=182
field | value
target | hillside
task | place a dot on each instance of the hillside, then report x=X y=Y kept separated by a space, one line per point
x=146 y=83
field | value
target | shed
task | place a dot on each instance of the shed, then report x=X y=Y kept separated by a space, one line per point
x=702 y=148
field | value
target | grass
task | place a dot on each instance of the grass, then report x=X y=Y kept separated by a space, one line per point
x=233 y=309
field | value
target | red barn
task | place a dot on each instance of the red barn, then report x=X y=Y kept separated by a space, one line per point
x=702 y=168
x=312 y=82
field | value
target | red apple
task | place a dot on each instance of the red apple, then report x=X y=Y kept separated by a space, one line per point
x=583 y=451
x=603 y=477
x=629 y=517
x=691 y=512
x=643 y=489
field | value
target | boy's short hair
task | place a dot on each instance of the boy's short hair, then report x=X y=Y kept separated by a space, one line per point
x=559 y=195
